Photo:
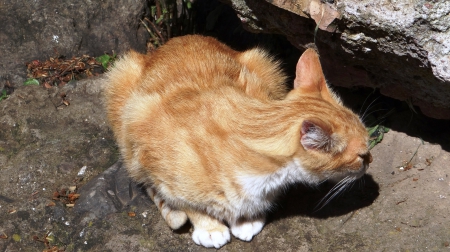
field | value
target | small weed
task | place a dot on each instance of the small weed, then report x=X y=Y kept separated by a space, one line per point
x=31 y=81
x=7 y=90
x=3 y=95
x=106 y=60
x=376 y=134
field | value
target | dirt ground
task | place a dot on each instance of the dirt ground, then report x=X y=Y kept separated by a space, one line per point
x=402 y=204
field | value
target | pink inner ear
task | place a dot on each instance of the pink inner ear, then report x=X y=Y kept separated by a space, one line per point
x=306 y=127
x=315 y=135
x=309 y=75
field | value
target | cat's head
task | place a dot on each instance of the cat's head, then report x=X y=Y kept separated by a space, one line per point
x=333 y=140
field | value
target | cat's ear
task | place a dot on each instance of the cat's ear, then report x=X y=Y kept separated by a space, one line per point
x=316 y=135
x=309 y=77
x=308 y=74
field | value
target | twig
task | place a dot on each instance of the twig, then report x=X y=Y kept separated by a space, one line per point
x=158 y=10
x=156 y=30
x=414 y=154
x=318 y=24
x=71 y=65
x=149 y=30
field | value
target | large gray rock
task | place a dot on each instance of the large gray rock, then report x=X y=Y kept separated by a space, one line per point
x=397 y=207
x=42 y=29
x=399 y=47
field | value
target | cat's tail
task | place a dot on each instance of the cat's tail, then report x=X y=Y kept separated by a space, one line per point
x=121 y=80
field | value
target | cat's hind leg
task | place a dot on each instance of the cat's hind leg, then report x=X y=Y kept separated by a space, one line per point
x=246 y=229
x=208 y=232
x=174 y=218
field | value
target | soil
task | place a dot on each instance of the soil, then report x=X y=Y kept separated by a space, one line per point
x=402 y=204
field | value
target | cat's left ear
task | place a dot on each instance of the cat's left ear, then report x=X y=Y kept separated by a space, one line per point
x=316 y=135
x=309 y=77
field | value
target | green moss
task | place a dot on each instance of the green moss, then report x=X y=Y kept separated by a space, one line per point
x=147 y=243
x=16 y=237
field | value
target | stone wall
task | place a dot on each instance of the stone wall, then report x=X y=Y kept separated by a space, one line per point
x=400 y=47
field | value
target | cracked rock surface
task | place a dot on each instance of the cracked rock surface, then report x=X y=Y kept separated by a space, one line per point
x=396 y=206
x=400 y=47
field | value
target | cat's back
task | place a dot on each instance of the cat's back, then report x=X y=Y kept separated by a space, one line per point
x=189 y=64
x=184 y=62
x=197 y=62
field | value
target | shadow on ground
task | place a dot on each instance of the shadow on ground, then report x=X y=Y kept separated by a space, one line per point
x=302 y=200
x=113 y=191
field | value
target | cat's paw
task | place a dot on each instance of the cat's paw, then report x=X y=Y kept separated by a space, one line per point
x=208 y=238
x=174 y=218
x=246 y=230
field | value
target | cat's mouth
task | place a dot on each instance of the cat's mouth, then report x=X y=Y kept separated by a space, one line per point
x=351 y=172
x=363 y=168
x=366 y=159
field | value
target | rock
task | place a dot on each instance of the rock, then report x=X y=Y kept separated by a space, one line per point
x=42 y=149
x=112 y=191
x=387 y=211
x=41 y=29
x=401 y=48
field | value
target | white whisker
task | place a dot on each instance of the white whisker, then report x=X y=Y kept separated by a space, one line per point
x=368 y=114
x=323 y=181
x=337 y=189
x=362 y=182
x=368 y=107
x=362 y=106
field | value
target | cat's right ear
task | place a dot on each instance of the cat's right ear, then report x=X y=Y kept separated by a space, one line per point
x=308 y=74
x=309 y=77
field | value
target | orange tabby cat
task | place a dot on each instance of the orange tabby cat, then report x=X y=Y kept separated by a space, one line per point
x=215 y=136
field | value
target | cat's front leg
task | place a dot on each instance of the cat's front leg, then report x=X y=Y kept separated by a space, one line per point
x=208 y=231
x=246 y=229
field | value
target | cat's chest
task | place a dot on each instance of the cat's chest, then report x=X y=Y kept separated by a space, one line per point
x=263 y=188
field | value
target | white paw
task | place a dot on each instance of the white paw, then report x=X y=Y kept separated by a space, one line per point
x=211 y=238
x=245 y=231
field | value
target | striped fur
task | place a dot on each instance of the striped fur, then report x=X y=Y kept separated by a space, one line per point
x=215 y=136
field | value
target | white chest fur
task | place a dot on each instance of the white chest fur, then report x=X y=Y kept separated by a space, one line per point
x=260 y=189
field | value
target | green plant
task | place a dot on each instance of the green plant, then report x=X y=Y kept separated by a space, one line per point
x=31 y=81
x=3 y=95
x=376 y=134
x=106 y=60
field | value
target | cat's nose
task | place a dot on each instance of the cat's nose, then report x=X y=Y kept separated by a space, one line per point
x=367 y=157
